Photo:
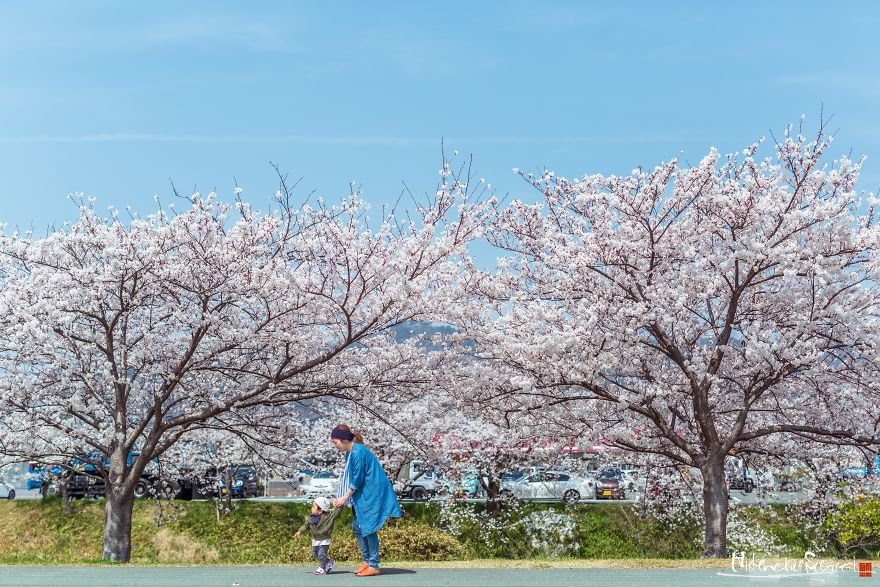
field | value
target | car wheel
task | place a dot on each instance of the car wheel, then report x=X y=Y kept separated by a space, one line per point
x=168 y=489
x=419 y=493
x=749 y=487
x=571 y=496
x=11 y=494
x=50 y=490
x=141 y=490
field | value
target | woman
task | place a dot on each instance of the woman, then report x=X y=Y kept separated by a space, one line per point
x=366 y=489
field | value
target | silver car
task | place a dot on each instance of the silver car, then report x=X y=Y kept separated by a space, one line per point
x=551 y=486
x=322 y=483
x=7 y=491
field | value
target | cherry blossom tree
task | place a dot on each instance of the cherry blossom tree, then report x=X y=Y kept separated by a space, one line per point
x=123 y=337
x=396 y=431
x=491 y=435
x=441 y=421
x=449 y=423
x=690 y=312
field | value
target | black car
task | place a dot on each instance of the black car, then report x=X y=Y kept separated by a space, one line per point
x=739 y=475
x=241 y=480
x=741 y=483
x=79 y=485
x=211 y=483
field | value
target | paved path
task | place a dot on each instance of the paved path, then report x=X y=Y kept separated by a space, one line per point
x=106 y=576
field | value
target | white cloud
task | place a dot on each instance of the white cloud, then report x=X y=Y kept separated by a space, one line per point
x=31 y=30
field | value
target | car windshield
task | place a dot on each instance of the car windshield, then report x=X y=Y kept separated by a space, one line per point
x=324 y=475
x=610 y=474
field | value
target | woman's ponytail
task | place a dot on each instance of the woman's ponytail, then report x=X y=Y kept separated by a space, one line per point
x=358 y=437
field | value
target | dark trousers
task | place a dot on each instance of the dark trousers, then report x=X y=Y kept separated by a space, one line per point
x=320 y=553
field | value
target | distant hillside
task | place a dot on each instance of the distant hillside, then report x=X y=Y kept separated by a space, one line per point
x=423 y=330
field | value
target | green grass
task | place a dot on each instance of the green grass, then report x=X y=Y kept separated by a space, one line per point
x=38 y=532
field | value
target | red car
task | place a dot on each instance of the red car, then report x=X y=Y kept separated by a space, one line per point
x=610 y=485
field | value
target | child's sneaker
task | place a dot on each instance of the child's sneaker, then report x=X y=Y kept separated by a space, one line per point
x=330 y=564
x=319 y=571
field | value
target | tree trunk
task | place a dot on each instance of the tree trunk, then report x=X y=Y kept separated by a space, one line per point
x=119 y=508
x=493 y=495
x=117 y=527
x=228 y=484
x=65 y=495
x=715 y=507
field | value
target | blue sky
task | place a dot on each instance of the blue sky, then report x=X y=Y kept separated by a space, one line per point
x=115 y=99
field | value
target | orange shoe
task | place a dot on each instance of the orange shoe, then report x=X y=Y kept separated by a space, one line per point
x=361 y=568
x=369 y=572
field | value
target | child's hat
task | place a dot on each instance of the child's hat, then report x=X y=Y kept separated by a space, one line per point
x=323 y=503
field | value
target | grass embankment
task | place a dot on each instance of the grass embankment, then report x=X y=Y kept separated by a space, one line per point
x=38 y=532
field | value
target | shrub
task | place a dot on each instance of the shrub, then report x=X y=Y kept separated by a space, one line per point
x=855 y=527
x=419 y=542
x=550 y=533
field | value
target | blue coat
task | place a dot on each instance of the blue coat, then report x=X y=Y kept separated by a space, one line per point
x=374 y=498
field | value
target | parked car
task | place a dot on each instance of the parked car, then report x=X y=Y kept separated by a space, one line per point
x=519 y=474
x=626 y=473
x=512 y=477
x=83 y=477
x=79 y=485
x=739 y=475
x=551 y=486
x=742 y=483
x=466 y=486
x=299 y=479
x=7 y=491
x=322 y=483
x=80 y=479
x=862 y=471
x=419 y=481
x=611 y=484
x=195 y=482
x=241 y=478
x=630 y=476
